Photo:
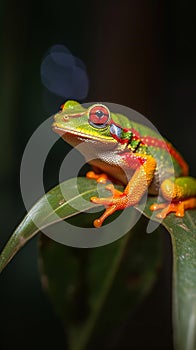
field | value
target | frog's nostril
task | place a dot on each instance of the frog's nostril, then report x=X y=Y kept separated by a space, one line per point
x=66 y=118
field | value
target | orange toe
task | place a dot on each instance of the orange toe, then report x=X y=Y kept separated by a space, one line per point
x=176 y=207
x=101 y=178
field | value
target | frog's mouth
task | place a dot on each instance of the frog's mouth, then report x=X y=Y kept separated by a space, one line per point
x=79 y=135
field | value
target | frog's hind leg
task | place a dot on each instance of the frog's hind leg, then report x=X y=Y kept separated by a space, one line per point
x=181 y=195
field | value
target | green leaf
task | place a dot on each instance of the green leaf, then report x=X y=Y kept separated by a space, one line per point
x=122 y=272
x=49 y=209
x=94 y=290
x=183 y=237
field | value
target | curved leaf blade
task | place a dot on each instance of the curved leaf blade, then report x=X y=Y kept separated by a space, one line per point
x=183 y=238
x=44 y=215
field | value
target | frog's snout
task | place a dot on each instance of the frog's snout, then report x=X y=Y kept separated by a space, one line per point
x=58 y=125
x=55 y=117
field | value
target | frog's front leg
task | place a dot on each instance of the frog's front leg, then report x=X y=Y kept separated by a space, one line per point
x=181 y=195
x=145 y=166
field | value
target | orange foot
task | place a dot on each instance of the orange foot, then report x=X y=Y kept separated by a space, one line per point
x=101 y=178
x=176 y=207
x=117 y=201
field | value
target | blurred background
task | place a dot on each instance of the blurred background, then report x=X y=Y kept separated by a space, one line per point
x=140 y=54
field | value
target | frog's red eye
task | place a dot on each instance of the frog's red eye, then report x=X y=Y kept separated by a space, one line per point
x=99 y=116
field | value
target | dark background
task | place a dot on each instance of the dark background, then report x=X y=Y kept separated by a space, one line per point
x=140 y=54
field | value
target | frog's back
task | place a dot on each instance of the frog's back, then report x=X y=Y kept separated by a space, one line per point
x=169 y=161
x=142 y=130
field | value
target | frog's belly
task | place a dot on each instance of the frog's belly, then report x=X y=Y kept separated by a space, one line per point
x=121 y=175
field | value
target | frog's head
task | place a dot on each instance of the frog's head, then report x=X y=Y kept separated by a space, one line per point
x=77 y=124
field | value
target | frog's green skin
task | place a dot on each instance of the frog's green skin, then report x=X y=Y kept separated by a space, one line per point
x=131 y=154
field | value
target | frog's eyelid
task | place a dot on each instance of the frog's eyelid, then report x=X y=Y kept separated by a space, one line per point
x=98 y=105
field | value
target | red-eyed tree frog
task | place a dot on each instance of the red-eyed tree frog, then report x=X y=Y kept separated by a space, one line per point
x=130 y=153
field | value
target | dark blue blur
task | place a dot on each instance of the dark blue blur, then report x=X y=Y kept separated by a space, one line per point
x=63 y=74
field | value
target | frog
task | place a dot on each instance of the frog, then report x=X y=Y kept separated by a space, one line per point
x=128 y=153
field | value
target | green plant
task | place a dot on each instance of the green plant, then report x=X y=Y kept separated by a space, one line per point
x=94 y=289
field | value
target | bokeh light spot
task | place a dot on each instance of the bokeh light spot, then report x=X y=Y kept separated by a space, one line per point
x=64 y=74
